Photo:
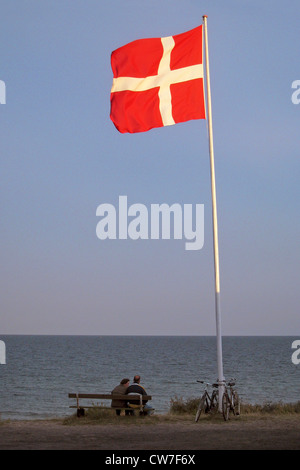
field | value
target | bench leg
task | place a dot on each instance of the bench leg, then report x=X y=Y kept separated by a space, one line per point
x=80 y=412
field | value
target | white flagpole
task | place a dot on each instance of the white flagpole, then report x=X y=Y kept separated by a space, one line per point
x=215 y=225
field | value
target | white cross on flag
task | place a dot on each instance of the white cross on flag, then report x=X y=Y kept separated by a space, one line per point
x=158 y=82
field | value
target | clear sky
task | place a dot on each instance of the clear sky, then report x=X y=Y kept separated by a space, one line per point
x=61 y=157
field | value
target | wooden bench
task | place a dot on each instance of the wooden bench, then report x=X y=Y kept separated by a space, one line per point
x=108 y=396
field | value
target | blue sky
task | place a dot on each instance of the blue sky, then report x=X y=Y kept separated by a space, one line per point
x=61 y=157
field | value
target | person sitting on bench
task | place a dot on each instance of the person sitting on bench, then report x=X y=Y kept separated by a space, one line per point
x=136 y=388
x=120 y=389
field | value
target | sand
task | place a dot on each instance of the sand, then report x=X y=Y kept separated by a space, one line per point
x=280 y=432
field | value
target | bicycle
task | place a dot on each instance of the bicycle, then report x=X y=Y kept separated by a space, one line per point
x=207 y=403
x=230 y=400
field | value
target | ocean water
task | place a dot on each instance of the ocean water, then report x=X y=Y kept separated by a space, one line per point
x=40 y=371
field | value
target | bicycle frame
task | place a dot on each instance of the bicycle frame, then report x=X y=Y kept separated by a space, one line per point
x=230 y=401
x=207 y=402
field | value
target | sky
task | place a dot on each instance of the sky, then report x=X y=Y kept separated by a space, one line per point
x=62 y=157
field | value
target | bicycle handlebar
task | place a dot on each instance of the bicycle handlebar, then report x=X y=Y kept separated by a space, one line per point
x=207 y=383
x=229 y=382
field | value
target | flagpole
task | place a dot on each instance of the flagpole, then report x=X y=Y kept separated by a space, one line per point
x=215 y=225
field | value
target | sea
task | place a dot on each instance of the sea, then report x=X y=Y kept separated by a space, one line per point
x=41 y=371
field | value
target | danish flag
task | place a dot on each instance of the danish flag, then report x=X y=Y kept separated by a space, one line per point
x=158 y=82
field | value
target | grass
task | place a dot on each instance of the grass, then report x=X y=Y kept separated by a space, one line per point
x=181 y=411
x=180 y=406
x=101 y=415
x=278 y=408
x=189 y=406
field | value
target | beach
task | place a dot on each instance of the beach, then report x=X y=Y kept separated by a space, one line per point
x=255 y=433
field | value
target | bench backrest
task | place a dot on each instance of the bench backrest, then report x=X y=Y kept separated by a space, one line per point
x=109 y=396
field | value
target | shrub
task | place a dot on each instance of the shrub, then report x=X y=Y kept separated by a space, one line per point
x=179 y=406
x=271 y=408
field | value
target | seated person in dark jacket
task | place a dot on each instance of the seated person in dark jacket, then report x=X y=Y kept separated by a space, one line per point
x=120 y=390
x=134 y=389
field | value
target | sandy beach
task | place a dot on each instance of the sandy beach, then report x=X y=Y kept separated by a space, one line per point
x=276 y=432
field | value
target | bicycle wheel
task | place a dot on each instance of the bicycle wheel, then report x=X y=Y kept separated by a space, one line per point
x=202 y=406
x=225 y=406
x=236 y=404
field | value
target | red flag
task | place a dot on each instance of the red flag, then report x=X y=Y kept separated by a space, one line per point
x=158 y=82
